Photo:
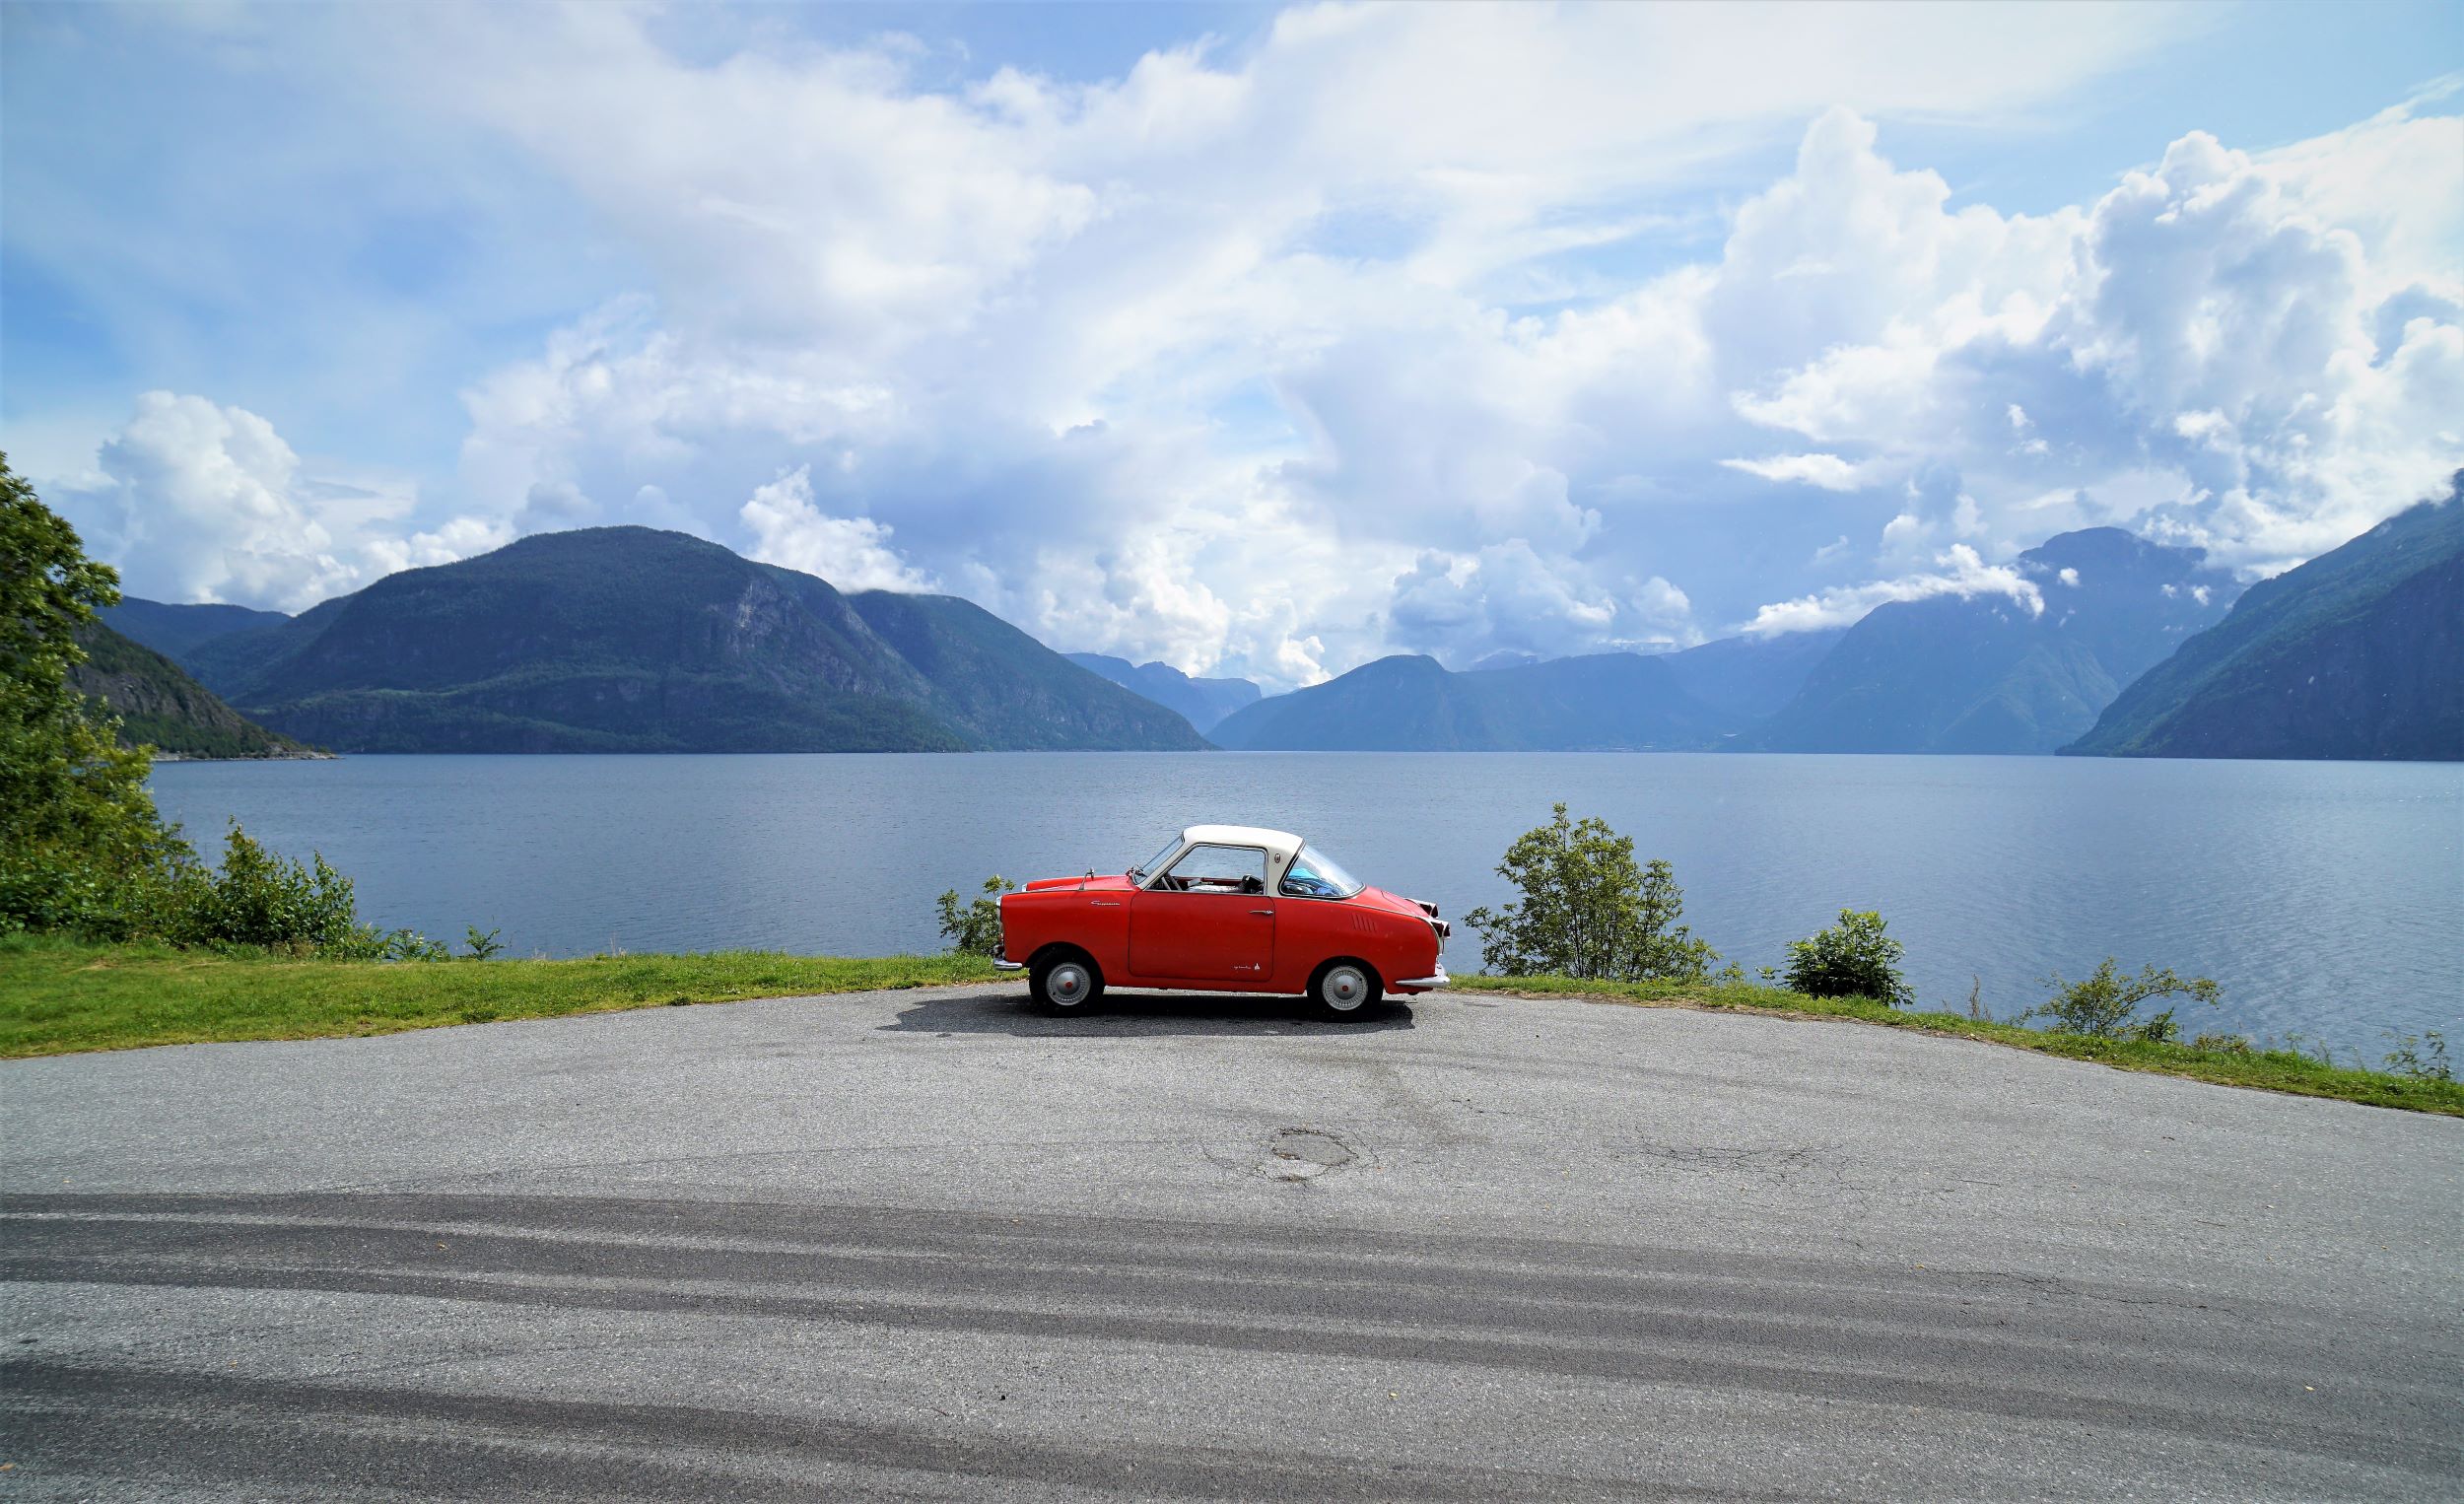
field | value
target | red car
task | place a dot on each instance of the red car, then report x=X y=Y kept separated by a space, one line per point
x=1223 y=909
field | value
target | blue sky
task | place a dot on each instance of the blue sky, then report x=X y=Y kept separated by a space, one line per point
x=1263 y=340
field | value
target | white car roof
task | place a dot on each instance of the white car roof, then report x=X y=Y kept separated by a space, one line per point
x=1279 y=844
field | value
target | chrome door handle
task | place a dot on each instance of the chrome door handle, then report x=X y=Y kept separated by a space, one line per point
x=1268 y=913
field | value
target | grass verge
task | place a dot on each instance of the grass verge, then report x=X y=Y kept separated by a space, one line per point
x=2283 y=1070
x=58 y=996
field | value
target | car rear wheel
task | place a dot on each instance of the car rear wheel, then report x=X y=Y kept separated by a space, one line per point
x=1343 y=990
x=1065 y=984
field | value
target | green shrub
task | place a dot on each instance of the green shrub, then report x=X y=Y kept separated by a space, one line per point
x=1586 y=909
x=2422 y=1056
x=2105 y=1004
x=482 y=946
x=259 y=898
x=975 y=929
x=1853 y=958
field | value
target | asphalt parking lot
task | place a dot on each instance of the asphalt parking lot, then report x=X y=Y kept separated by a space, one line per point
x=929 y=1244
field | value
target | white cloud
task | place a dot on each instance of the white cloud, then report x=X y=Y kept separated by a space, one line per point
x=1828 y=471
x=922 y=296
x=196 y=501
x=851 y=553
x=1960 y=571
x=1277 y=357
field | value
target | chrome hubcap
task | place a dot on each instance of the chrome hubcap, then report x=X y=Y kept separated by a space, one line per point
x=1067 y=987
x=1345 y=988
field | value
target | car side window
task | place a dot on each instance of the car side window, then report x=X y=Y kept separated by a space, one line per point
x=1218 y=869
x=1299 y=881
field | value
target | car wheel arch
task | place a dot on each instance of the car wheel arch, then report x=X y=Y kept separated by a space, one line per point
x=1327 y=1004
x=1377 y=978
x=1058 y=951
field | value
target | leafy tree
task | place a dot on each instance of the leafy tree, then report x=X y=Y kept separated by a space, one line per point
x=1588 y=910
x=2106 y=1003
x=81 y=846
x=79 y=835
x=975 y=929
x=1853 y=958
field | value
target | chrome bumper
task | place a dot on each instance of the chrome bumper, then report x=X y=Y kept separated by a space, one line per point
x=1440 y=980
x=1004 y=964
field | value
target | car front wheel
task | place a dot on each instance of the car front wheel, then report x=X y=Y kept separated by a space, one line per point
x=1065 y=984
x=1343 y=990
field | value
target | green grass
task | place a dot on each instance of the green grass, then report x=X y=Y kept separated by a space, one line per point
x=58 y=996
x=2284 y=1070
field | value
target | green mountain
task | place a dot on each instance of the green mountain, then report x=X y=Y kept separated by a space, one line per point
x=1748 y=677
x=1986 y=674
x=1004 y=689
x=1200 y=702
x=1606 y=702
x=161 y=707
x=2358 y=653
x=630 y=640
x=174 y=630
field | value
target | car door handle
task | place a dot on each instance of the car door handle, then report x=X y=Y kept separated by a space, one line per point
x=1268 y=913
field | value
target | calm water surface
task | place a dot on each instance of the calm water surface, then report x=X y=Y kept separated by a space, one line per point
x=2328 y=898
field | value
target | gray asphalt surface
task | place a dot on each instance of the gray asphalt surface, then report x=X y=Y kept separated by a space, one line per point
x=931 y=1244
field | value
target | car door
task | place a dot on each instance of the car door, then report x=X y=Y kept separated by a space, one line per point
x=1208 y=919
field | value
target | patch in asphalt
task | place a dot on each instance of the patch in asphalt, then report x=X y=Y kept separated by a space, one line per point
x=1299 y=1153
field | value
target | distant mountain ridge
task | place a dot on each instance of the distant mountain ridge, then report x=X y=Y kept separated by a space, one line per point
x=1986 y=674
x=1750 y=677
x=160 y=705
x=1521 y=702
x=2358 y=653
x=628 y=638
x=1603 y=701
x=173 y=631
x=1200 y=702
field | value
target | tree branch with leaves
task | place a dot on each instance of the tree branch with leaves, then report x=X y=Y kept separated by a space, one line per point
x=1588 y=909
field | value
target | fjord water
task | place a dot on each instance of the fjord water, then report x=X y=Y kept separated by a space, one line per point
x=2327 y=898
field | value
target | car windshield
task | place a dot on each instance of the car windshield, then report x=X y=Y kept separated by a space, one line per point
x=1159 y=860
x=1314 y=874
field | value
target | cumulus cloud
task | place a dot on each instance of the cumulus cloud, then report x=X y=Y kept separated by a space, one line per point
x=1960 y=571
x=851 y=553
x=2200 y=354
x=1274 y=357
x=927 y=297
x=200 y=501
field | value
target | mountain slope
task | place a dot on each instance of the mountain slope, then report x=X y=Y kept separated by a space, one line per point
x=1751 y=677
x=160 y=705
x=1606 y=702
x=630 y=640
x=2358 y=653
x=1200 y=702
x=1986 y=674
x=1008 y=690
x=174 y=630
